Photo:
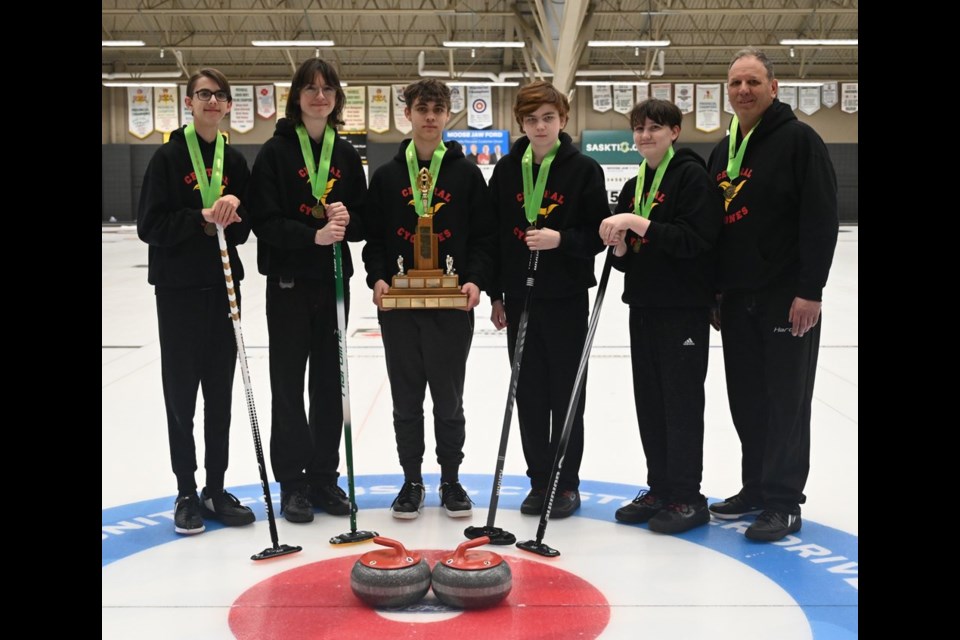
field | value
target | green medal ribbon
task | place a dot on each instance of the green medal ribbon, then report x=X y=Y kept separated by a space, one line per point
x=735 y=156
x=533 y=195
x=209 y=189
x=641 y=206
x=411 y=155
x=318 y=173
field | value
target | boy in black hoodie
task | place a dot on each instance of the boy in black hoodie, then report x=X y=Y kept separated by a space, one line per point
x=194 y=183
x=307 y=192
x=428 y=346
x=666 y=222
x=550 y=198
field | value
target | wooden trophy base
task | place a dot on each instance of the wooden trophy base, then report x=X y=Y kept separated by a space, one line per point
x=425 y=289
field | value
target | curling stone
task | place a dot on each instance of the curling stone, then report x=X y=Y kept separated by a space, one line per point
x=392 y=577
x=472 y=579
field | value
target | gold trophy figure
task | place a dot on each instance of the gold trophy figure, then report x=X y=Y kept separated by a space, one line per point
x=426 y=286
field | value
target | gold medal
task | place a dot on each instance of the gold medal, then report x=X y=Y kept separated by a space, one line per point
x=530 y=228
x=729 y=192
x=318 y=211
x=210 y=228
x=636 y=245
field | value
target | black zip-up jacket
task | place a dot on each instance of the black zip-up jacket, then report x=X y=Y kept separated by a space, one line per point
x=780 y=228
x=673 y=265
x=281 y=200
x=574 y=203
x=169 y=219
x=462 y=220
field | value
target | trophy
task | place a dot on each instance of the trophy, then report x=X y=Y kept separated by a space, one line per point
x=426 y=285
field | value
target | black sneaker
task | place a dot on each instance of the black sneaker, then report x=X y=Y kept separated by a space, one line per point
x=295 y=505
x=773 y=525
x=330 y=498
x=678 y=517
x=644 y=506
x=226 y=508
x=186 y=515
x=733 y=508
x=455 y=500
x=407 y=504
x=565 y=503
x=532 y=505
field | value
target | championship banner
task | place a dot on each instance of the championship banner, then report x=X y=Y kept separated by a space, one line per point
x=660 y=91
x=186 y=115
x=850 y=97
x=400 y=121
x=140 y=111
x=622 y=98
x=480 y=114
x=788 y=95
x=283 y=94
x=829 y=94
x=266 y=107
x=602 y=100
x=684 y=98
x=354 y=109
x=809 y=100
x=643 y=92
x=457 y=103
x=708 y=107
x=482 y=147
x=617 y=155
x=379 y=98
x=165 y=109
x=727 y=107
x=241 y=115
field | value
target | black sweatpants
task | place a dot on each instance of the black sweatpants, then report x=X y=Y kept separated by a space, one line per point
x=669 y=350
x=427 y=347
x=556 y=332
x=302 y=324
x=770 y=376
x=197 y=350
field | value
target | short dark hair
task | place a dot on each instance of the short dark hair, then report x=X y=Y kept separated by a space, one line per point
x=536 y=94
x=660 y=111
x=304 y=76
x=759 y=55
x=427 y=90
x=212 y=74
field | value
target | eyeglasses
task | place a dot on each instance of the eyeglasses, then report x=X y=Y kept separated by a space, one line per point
x=311 y=91
x=204 y=95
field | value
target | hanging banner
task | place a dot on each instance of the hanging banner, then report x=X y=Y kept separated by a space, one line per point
x=829 y=94
x=480 y=115
x=140 y=111
x=483 y=148
x=241 y=115
x=354 y=109
x=186 y=115
x=283 y=95
x=622 y=98
x=788 y=95
x=708 y=107
x=660 y=91
x=727 y=106
x=379 y=109
x=809 y=100
x=643 y=92
x=457 y=100
x=165 y=109
x=850 y=100
x=399 y=105
x=266 y=106
x=684 y=98
x=602 y=100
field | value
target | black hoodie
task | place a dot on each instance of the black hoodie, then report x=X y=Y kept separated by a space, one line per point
x=461 y=220
x=780 y=229
x=672 y=265
x=574 y=203
x=169 y=219
x=281 y=200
